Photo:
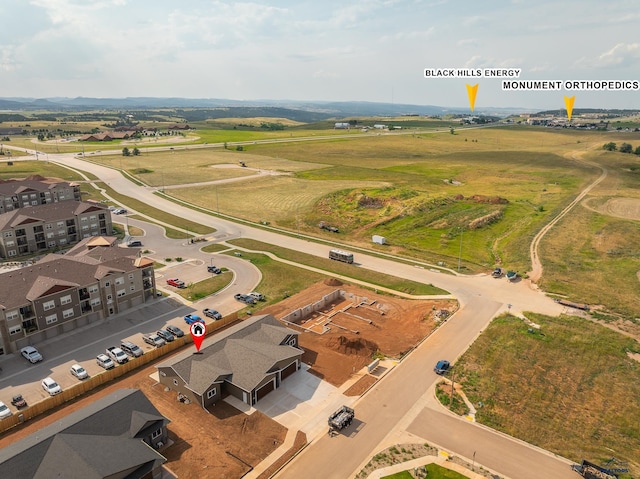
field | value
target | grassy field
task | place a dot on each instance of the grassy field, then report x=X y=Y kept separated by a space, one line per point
x=207 y=287
x=570 y=387
x=22 y=169
x=434 y=471
x=379 y=279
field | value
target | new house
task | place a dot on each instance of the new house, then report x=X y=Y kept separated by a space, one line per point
x=248 y=361
x=94 y=280
x=116 y=436
x=34 y=229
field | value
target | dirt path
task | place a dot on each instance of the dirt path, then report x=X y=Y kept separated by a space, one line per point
x=534 y=249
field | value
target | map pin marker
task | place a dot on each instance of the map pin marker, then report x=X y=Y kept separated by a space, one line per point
x=198 y=331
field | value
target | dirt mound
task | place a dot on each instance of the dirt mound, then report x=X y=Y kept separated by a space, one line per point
x=332 y=282
x=492 y=200
x=359 y=346
x=36 y=178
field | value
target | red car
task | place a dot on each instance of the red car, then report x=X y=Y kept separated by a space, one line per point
x=175 y=282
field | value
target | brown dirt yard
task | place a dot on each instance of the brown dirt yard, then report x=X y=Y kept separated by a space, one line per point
x=227 y=443
x=338 y=353
x=221 y=445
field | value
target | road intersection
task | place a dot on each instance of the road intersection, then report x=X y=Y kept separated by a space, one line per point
x=391 y=404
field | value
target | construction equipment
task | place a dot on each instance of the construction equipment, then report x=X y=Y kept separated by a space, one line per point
x=340 y=419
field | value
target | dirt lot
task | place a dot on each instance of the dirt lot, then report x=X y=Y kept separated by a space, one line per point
x=336 y=354
x=206 y=446
x=226 y=443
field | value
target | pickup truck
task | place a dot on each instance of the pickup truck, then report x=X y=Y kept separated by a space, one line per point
x=117 y=354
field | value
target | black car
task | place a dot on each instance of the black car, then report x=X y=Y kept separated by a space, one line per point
x=213 y=269
x=166 y=335
x=245 y=298
x=18 y=401
x=442 y=367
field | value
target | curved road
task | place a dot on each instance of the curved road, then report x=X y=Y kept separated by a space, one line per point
x=391 y=404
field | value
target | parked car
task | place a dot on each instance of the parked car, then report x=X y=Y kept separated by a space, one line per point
x=166 y=335
x=175 y=330
x=257 y=296
x=131 y=349
x=176 y=283
x=31 y=354
x=154 y=340
x=193 y=318
x=79 y=372
x=245 y=298
x=120 y=211
x=442 y=367
x=5 y=412
x=212 y=313
x=105 y=361
x=117 y=354
x=134 y=243
x=213 y=269
x=52 y=387
x=18 y=401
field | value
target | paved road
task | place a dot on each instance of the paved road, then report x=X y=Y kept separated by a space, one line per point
x=392 y=401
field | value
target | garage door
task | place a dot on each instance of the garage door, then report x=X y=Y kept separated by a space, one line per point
x=289 y=370
x=264 y=390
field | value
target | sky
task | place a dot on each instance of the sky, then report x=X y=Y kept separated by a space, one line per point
x=311 y=50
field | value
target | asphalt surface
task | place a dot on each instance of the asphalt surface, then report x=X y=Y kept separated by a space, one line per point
x=399 y=401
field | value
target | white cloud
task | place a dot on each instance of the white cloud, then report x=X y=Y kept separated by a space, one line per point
x=621 y=55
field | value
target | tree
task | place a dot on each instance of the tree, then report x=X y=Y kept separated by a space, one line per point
x=126 y=152
x=611 y=146
x=637 y=152
x=626 y=148
x=136 y=152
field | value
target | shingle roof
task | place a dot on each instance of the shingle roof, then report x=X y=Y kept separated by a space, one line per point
x=8 y=188
x=49 y=212
x=243 y=355
x=83 y=268
x=95 y=442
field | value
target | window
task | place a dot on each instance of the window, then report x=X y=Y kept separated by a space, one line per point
x=85 y=227
x=33 y=196
x=65 y=299
x=92 y=217
x=60 y=224
x=84 y=219
x=120 y=280
x=8 y=234
x=61 y=232
x=49 y=226
x=93 y=288
x=10 y=243
x=175 y=382
x=67 y=313
x=11 y=252
x=211 y=393
x=107 y=284
x=51 y=234
x=133 y=287
x=121 y=293
x=95 y=301
x=48 y=305
x=157 y=433
x=94 y=225
x=34 y=202
x=14 y=330
x=12 y=315
x=52 y=244
x=62 y=241
x=130 y=275
x=51 y=319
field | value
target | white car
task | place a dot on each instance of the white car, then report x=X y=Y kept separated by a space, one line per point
x=5 y=412
x=31 y=354
x=51 y=386
x=105 y=361
x=79 y=372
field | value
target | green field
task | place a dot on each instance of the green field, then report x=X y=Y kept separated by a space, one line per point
x=434 y=471
x=570 y=387
x=372 y=277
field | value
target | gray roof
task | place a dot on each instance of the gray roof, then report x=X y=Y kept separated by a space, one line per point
x=46 y=213
x=97 y=441
x=55 y=272
x=242 y=355
x=14 y=187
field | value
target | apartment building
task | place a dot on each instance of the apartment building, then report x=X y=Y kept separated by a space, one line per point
x=33 y=229
x=16 y=194
x=94 y=280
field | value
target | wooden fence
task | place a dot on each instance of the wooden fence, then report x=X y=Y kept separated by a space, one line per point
x=93 y=382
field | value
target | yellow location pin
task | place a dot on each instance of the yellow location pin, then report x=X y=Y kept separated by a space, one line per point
x=568 y=102
x=472 y=91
